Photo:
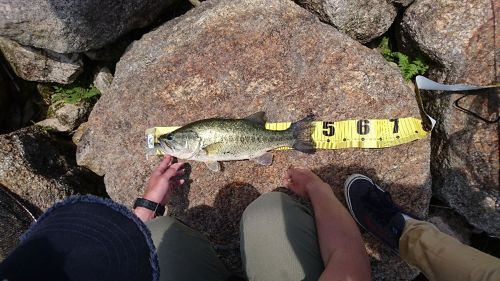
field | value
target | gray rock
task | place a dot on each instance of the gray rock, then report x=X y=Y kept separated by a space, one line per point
x=77 y=25
x=52 y=124
x=103 y=79
x=459 y=36
x=64 y=117
x=41 y=65
x=41 y=169
x=233 y=58
x=77 y=135
x=360 y=19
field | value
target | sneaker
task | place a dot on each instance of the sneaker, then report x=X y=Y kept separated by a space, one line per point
x=373 y=209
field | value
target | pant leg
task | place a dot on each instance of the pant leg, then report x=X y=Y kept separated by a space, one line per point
x=442 y=257
x=183 y=253
x=279 y=241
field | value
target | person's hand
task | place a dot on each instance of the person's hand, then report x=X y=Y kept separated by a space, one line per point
x=301 y=181
x=161 y=184
x=163 y=180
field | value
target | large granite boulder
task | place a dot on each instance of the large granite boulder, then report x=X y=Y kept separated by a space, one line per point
x=362 y=20
x=41 y=169
x=459 y=36
x=234 y=58
x=77 y=25
x=41 y=65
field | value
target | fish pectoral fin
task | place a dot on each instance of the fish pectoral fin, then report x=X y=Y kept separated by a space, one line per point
x=213 y=148
x=265 y=159
x=213 y=166
x=258 y=118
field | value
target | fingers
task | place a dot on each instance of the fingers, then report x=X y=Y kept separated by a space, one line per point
x=172 y=170
x=179 y=175
x=176 y=166
x=175 y=182
x=164 y=164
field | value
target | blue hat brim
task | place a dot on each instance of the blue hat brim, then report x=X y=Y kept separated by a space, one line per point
x=84 y=238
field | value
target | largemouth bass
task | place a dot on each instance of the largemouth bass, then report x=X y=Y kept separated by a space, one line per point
x=217 y=139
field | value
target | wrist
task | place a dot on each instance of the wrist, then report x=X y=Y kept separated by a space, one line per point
x=157 y=196
x=315 y=187
x=148 y=209
x=144 y=214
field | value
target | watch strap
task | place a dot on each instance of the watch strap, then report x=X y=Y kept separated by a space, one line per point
x=150 y=205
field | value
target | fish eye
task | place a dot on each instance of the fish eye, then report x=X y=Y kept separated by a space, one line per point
x=169 y=137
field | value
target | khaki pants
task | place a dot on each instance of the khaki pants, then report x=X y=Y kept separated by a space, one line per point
x=279 y=242
x=442 y=257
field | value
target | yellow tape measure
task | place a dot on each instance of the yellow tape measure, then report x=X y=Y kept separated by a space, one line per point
x=365 y=133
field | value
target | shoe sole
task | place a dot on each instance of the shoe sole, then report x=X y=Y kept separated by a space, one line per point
x=347 y=186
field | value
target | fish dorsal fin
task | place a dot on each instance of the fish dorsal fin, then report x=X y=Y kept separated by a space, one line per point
x=258 y=118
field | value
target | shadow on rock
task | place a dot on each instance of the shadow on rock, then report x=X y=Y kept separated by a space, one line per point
x=465 y=159
x=54 y=158
x=220 y=223
x=403 y=195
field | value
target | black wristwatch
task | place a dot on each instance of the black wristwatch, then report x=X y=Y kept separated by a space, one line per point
x=148 y=204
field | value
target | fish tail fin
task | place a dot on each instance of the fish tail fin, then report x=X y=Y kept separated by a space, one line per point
x=302 y=131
